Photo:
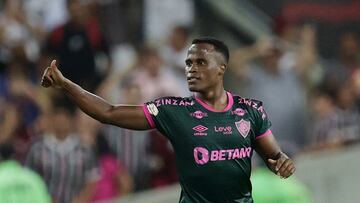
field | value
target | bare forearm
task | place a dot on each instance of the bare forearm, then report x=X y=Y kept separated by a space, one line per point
x=276 y=160
x=126 y=116
x=91 y=104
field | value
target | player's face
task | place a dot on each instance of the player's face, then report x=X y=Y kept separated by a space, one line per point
x=203 y=72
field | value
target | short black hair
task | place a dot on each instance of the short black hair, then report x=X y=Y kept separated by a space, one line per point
x=219 y=46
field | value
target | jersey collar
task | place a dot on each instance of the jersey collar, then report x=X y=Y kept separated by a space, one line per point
x=210 y=108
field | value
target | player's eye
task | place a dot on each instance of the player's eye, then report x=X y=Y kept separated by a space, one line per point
x=201 y=62
x=188 y=63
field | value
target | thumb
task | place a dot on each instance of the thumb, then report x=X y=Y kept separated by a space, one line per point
x=53 y=64
x=273 y=164
x=272 y=161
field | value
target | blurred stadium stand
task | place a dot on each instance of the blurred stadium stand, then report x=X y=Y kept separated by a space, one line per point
x=317 y=41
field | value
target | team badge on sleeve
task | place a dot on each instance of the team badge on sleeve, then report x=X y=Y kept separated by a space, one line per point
x=152 y=109
x=243 y=127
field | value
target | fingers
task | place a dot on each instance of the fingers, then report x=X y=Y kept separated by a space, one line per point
x=284 y=166
x=279 y=164
x=53 y=64
x=272 y=162
x=47 y=81
x=51 y=75
x=287 y=168
x=276 y=164
x=272 y=165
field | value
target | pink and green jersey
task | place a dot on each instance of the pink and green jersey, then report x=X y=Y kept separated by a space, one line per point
x=213 y=148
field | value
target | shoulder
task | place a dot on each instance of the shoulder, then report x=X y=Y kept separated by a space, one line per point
x=172 y=101
x=249 y=104
x=168 y=105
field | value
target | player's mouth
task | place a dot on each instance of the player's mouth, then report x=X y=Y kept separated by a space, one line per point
x=192 y=79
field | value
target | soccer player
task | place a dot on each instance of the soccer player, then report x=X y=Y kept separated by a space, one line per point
x=213 y=132
x=18 y=184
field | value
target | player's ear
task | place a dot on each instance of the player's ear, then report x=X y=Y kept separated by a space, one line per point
x=222 y=69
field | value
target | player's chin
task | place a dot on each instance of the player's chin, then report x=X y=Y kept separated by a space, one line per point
x=193 y=88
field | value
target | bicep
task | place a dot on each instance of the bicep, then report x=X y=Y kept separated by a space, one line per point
x=128 y=116
x=267 y=147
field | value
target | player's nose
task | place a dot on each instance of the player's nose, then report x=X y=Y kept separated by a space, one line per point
x=193 y=68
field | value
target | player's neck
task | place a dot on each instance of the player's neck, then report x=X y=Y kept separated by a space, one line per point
x=217 y=99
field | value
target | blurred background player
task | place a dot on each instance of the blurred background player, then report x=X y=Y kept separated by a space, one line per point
x=18 y=184
x=80 y=45
x=68 y=167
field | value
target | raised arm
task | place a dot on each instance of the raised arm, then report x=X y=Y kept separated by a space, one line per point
x=126 y=116
x=275 y=159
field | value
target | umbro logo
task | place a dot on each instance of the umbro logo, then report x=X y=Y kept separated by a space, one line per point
x=200 y=130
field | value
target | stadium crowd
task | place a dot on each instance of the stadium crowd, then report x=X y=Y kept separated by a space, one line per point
x=313 y=102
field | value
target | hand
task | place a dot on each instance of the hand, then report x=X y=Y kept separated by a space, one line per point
x=52 y=76
x=283 y=166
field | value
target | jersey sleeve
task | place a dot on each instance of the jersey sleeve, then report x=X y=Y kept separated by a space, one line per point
x=160 y=117
x=262 y=122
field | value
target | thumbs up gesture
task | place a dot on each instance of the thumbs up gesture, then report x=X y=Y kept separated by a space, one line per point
x=52 y=76
x=283 y=166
